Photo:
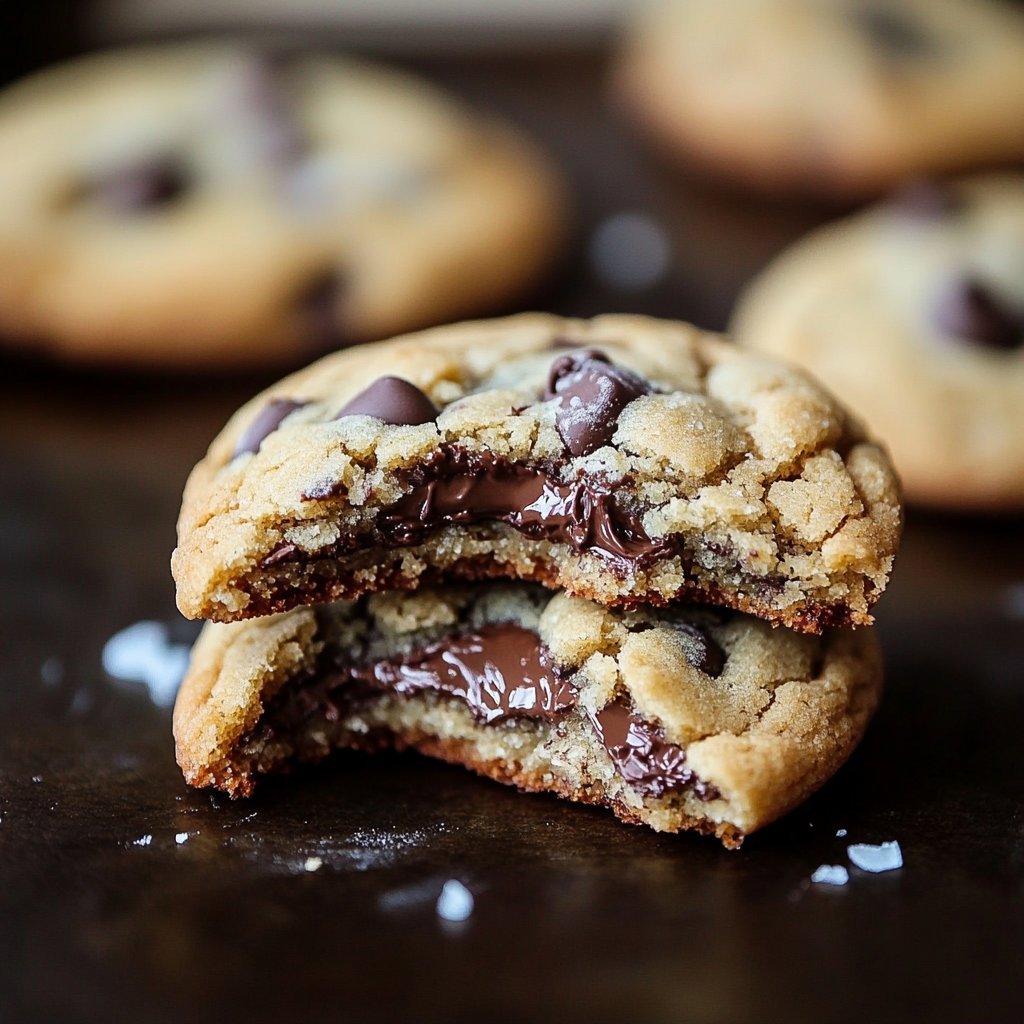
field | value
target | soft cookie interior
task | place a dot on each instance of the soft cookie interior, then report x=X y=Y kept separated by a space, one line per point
x=693 y=718
x=623 y=460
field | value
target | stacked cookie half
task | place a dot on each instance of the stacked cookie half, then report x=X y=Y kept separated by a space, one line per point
x=620 y=560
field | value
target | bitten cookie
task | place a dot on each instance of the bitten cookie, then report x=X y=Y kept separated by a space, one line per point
x=623 y=459
x=202 y=205
x=684 y=719
x=837 y=98
x=914 y=313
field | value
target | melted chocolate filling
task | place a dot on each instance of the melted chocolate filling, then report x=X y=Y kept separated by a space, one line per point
x=499 y=671
x=467 y=488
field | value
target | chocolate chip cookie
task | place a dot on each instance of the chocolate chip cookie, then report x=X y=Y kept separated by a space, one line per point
x=204 y=205
x=914 y=313
x=836 y=98
x=683 y=718
x=623 y=459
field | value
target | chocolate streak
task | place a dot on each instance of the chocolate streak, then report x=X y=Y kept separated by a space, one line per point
x=466 y=488
x=642 y=756
x=499 y=671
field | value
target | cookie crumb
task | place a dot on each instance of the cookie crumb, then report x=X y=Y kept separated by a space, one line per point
x=869 y=857
x=831 y=874
x=455 y=902
x=314 y=863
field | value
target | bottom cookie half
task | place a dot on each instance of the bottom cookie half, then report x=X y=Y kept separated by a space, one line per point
x=680 y=718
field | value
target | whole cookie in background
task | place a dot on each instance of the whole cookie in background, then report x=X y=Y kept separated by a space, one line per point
x=834 y=98
x=913 y=313
x=679 y=718
x=207 y=205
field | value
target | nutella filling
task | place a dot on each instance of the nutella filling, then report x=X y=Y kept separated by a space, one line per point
x=642 y=756
x=467 y=488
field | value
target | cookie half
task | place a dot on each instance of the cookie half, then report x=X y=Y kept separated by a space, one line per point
x=834 y=98
x=623 y=459
x=207 y=205
x=682 y=719
x=913 y=311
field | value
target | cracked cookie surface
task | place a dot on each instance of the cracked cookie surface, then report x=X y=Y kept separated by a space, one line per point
x=205 y=204
x=701 y=472
x=674 y=718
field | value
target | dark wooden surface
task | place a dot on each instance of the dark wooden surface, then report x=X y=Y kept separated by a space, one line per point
x=577 y=918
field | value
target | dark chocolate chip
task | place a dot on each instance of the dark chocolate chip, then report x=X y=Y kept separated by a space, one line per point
x=393 y=401
x=269 y=418
x=894 y=32
x=926 y=199
x=141 y=186
x=593 y=391
x=966 y=309
x=319 y=311
x=704 y=653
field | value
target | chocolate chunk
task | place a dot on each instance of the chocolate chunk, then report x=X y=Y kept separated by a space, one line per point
x=319 y=308
x=462 y=488
x=642 y=756
x=393 y=401
x=593 y=391
x=141 y=186
x=267 y=420
x=966 y=309
x=926 y=199
x=893 y=32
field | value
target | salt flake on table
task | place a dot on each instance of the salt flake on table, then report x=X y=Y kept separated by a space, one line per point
x=142 y=841
x=313 y=863
x=840 y=833
x=144 y=653
x=183 y=837
x=883 y=857
x=455 y=902
x=831 y=874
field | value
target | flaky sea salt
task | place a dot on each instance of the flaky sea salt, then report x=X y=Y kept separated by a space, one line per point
x=883 y=857
x=144 y=653
x=314 y=863
x=831 y=874
x=840 y=833
x=455 y=902
x=182 y=837
x=142 y=841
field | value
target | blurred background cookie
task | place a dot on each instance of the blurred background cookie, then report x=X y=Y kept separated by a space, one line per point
x=207 y=205
x=913 y=312
x=835 y=98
